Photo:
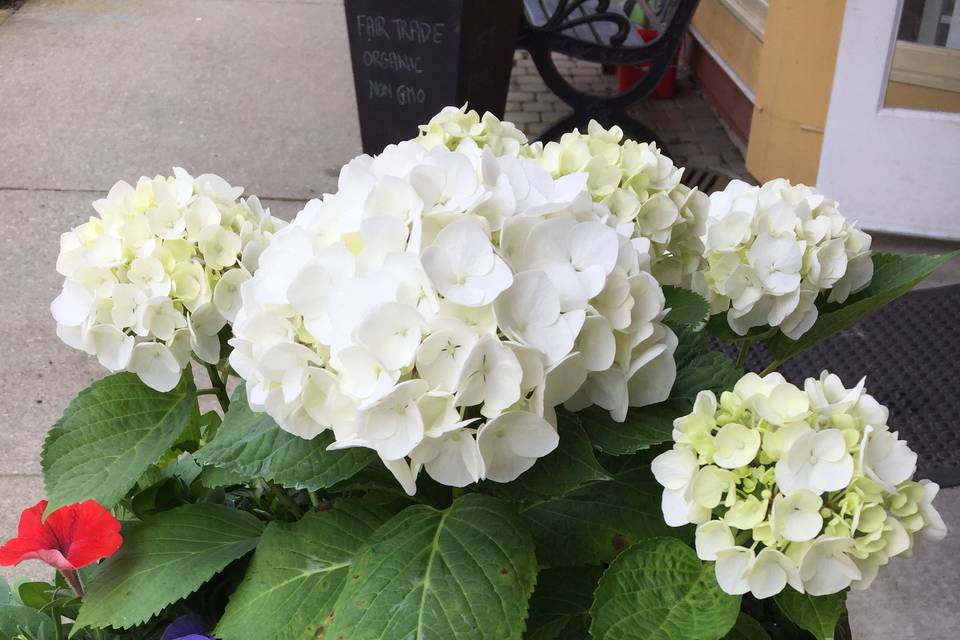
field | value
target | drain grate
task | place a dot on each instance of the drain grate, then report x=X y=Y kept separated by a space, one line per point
x=706 y=180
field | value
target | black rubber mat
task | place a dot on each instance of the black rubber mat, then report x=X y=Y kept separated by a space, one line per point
x=910 y=352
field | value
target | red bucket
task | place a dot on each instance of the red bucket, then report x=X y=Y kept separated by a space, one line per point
x=629 y=75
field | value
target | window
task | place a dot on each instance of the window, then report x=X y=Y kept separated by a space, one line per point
x=933 y=23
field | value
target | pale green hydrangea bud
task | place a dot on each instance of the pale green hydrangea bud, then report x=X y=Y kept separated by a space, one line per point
x=461 y=128
x=788 y=486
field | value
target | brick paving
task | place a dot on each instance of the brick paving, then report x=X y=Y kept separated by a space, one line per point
x=687 y=124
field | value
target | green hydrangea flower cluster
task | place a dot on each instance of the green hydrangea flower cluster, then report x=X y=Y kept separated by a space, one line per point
x=806 y=487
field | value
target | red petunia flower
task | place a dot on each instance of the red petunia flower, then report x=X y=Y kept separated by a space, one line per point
x=71 y=537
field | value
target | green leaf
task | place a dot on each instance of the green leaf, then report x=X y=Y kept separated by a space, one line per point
x=643 y=427
x=4 y=591
x=465 y=572
x=718 y=327
x=592 y=524
x=690 y=344
x=572 y=464
x=215 y=477
x=251 y=444
x=747 y=629
x=560 y=605
x=659 y=590
x=16 y=619
x=686 y=307
x=297 y=573
x=697 y=370
x=36 y=595
x=109 y=435
x=164 y=559
x=817 y=614
x=893 y=276
x=711 y=371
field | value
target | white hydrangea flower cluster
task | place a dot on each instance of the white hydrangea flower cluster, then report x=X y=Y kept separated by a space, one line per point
x=770 y=252
x=441 y=304
x=802 y=487
x=157 y=273
x=639 y=185
x=636 y=182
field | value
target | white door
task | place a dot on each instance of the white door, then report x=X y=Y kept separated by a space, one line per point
x=896 y=169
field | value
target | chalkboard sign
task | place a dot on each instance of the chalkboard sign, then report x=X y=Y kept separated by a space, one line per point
x=411 y=58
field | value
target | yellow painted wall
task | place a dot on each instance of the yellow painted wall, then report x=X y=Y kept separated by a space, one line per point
x=790 y=70
x=911 y=96
x=793 y=88
x=731 y=39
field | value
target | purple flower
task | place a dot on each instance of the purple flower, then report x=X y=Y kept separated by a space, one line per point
x=188 y=627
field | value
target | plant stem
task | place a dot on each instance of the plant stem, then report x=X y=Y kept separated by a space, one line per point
x=73 y=579
x=313 y=499
x=773 y=366
x=281 y=495
x=58 y=625
x=742 y=355
x=208 y=392
x=219 y=388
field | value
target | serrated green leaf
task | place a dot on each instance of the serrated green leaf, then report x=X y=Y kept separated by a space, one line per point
x=572 y=464
x=711 y=371
x=893 y=276
x=109 y=435
x=297 y=573
x=4 y=591
x=747 y=628
x=690 y=344
x=164 y=559
x=817 y=614
x=252 y=445
x=592 y=524
x=659 y=590
x=560 y=605
x=686 y=307
x=465 y=572
x=644 y=427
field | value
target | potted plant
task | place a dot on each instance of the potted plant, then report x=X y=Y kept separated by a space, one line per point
x=467 y=396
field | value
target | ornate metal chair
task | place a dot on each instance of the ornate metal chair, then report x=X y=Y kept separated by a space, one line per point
x=596 y=31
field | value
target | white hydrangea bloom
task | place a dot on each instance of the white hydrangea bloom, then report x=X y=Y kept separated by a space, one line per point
x=442 y=303
x=771 y=251
x=157 y=273
x=807 y=488
x=639 y=185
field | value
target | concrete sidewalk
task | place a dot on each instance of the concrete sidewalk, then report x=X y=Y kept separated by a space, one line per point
x=260 y=92
x=92 y=91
